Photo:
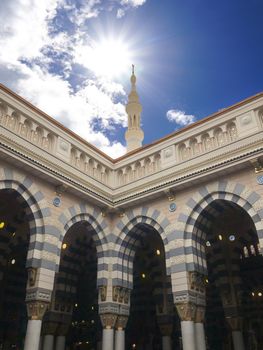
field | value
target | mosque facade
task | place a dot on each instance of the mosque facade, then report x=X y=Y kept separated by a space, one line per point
x=158 y=249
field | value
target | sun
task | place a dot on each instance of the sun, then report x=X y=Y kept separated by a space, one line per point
x=109 y=57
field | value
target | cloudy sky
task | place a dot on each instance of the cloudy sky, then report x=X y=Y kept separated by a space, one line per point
x=72 y=58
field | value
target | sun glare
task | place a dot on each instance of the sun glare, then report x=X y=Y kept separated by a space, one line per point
x=109 y=57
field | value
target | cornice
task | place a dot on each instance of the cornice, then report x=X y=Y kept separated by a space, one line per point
x=55 y=174
x=150 y=187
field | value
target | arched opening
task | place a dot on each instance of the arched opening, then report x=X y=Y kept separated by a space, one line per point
x=14 y=242
x=152 y=314
x=74 y=311
x=234 y=285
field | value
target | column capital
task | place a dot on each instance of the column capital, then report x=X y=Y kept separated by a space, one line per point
x=121 y=322
x=36 y=309
x=200 y=314
x=108 y=320
x=62 y=329
x=49 y=328
x=166 y=329
x=186 y=311
x=165 y=323
x=235 y=323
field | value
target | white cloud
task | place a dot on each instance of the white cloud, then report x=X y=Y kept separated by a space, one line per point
x=38 y=59
x=120 y=13
x=134 y=3
x=24 y=30
x=180 y=117
x=78 y=111
x=114 y=150
x=126 y=4
x=80 y=15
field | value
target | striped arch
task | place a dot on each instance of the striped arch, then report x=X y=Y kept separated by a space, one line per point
x=201 y=209
x=36 y=209
x=131 y=230
x=84 y=213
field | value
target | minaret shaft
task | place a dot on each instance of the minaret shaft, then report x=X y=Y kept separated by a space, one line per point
x=134 y=134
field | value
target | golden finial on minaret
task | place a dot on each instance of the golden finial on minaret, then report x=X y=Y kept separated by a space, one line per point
x=134 y=134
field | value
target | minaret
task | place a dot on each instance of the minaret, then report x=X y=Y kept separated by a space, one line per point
x=134 y=134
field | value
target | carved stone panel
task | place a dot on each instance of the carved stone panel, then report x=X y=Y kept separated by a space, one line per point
x=121 y=294
x=102 y=293
x=196 y=281
x=32 y=276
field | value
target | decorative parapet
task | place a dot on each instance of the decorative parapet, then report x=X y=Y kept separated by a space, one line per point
x=206 y=145
x=35 y=132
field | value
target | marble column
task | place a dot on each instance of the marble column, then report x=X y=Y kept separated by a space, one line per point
x=166 y=342
x=200 y=336
x=199 y=328
x=108 y=339
x=35 y=311
x=61 y=330
x=48 y=333
x=99 y=345
x=120 y=332
x=165 y=323
x=60 y=342
x=120 y=339
x=186 y=312
x=32 y=334
x=236 y=323
x=238 y=340
x=188 y=335
x=48 y=342
x=108 y=322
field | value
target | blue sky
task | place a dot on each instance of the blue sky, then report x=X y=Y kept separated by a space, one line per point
x=192 y=58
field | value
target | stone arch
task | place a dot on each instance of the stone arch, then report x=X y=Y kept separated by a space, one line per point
x=36 y=209
x=195 y=215
x=83 y=213
x=128 y=237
